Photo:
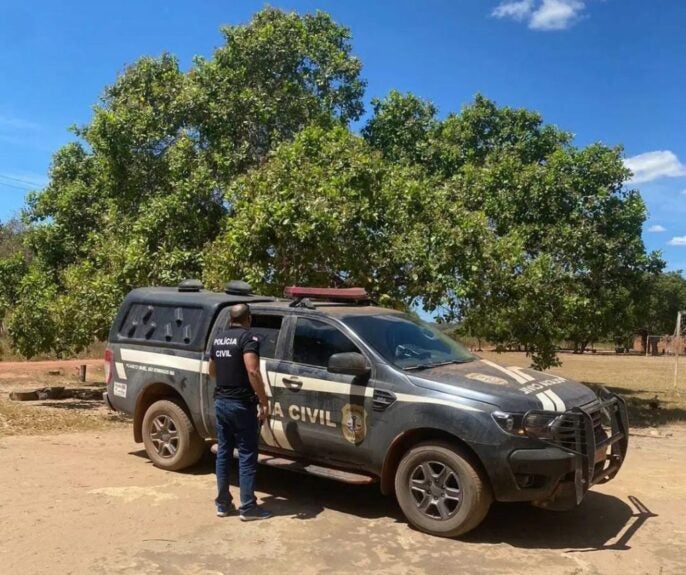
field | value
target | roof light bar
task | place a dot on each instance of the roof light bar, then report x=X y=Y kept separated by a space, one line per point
x=332 y=294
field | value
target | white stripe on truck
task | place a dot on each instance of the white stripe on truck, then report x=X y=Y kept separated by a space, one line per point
x=518 y=370
x=121 y=372
x=510 y=373
x=559 y=404
x=196 y=365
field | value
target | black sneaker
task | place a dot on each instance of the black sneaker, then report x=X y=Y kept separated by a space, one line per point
x=225 y=510
x=255 y=514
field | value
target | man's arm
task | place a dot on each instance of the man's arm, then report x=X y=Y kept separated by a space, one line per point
x=252 y=365
x=212 y=368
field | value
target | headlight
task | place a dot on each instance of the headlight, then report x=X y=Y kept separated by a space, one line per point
x=538 y=424
x=509 y=422
x=541 y=425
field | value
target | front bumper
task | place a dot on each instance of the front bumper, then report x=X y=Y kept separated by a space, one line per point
x=588 y=447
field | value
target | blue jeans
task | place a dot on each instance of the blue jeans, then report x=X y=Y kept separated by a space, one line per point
x=237 y=426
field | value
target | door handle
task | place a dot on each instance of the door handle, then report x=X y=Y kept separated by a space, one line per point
x=292 y=382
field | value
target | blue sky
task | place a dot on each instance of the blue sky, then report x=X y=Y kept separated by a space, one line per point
x=607 y=70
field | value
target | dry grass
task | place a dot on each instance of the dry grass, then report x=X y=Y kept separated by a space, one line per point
x=53 y=416
x=647 y=383
x=47 y=417
x=95 y=350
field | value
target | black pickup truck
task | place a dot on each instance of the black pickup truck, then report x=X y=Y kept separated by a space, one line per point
x=361 y=393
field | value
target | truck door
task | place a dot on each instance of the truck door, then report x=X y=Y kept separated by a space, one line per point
x=267 y=326
x=326 y=416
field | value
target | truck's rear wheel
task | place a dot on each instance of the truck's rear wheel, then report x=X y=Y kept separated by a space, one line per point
x=440 y=491
x=169 y=436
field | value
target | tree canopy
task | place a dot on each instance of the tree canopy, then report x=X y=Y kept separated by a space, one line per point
x=246 y=166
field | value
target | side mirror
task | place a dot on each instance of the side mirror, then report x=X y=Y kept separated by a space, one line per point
x=350 y=363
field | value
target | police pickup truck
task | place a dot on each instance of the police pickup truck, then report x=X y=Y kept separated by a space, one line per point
x=361 y=393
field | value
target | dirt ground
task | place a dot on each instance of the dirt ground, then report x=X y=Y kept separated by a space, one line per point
x=77 y=495
x=92 y=503
x=53 y=416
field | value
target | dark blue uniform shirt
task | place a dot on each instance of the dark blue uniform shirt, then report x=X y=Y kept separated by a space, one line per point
x=227 y=351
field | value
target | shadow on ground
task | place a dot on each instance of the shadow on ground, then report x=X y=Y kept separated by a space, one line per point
x=80 y=404
x=600 y=522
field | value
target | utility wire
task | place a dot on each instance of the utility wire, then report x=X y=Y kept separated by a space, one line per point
x=15 y=187
x=32 y=185
x=6 y=177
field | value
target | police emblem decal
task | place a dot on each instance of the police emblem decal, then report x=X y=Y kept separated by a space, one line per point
x=487 y=378
x=354 y=423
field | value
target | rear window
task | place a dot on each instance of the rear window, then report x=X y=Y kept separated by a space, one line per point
x=167 y=324
x=265 y=326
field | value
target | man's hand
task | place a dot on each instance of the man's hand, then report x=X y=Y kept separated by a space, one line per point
x=252 y=365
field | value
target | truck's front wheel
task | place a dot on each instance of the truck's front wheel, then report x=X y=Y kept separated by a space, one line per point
x=170 y=438
x=440 y=491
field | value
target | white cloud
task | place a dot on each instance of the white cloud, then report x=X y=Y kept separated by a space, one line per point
x=541 y=14
x=556 y=14
x=14 y=123
x=654 y=165
x=656 y=229
x=18 y=131
x=517 y=10
x=677 y=241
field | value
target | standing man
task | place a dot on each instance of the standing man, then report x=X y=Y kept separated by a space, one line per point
x=235 y=363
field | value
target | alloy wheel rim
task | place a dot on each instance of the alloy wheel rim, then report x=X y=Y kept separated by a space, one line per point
x=435 y=490
x=164 y=436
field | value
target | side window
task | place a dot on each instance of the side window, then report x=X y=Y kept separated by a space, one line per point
x=267 y=328
x=314 y=342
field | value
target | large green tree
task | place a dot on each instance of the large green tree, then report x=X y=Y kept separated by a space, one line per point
x=244 y=165
x=140 y=193
x=328 y=210
x=580 y=262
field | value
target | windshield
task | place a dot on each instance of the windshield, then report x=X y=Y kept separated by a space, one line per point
x=406 y=342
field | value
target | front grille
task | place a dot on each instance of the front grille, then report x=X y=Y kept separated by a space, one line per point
x=598 y=433
x=570 y=430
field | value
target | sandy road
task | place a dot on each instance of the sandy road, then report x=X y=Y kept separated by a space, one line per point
x=92 y=503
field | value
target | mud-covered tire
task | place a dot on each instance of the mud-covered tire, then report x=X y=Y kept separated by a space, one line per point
x=448 y=510
x=170 y=438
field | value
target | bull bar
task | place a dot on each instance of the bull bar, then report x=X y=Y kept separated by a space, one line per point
x=598 y=434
